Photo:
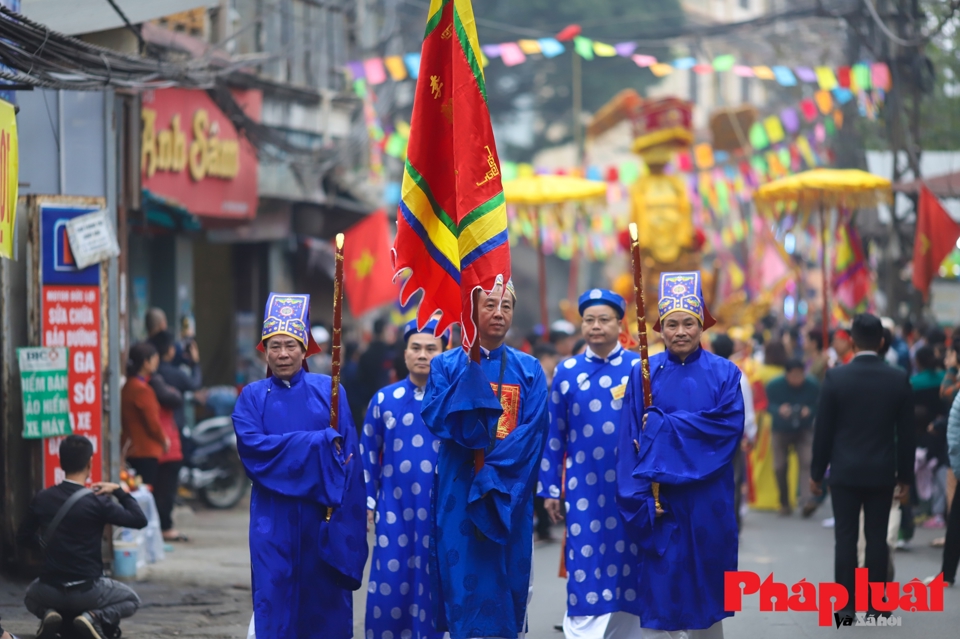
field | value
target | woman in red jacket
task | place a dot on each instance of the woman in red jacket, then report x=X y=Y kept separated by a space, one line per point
x=143 y=436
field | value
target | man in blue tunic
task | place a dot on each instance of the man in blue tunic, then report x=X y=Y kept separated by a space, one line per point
x=308 y=542
x=399 y=456
x=686 y=442
x=585 y=404
x=482 y=546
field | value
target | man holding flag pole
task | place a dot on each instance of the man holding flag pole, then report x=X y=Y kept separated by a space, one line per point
x=486 y=402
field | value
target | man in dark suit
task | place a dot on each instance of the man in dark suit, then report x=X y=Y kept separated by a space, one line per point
x=864 y=433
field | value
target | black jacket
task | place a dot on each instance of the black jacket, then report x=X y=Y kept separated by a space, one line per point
x=864 y=429
x=74 y=553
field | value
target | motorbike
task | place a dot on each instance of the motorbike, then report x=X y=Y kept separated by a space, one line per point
x=212 y=469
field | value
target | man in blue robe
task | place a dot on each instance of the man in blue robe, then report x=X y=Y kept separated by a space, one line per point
x=686 y=442
x=482 y=546
x=585 y=404
x=399 y=455
x=308 y=541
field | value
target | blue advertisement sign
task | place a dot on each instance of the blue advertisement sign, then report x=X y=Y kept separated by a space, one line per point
x=57 y=265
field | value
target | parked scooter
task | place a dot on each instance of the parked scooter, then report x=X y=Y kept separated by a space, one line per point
x=212 y=469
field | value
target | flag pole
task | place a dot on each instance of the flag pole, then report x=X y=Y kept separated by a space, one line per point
x=825 y=313
x=475 y=356
x=335 y=344
x=639 y=297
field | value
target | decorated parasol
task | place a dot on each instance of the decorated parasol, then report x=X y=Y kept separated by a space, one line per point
x=818 y=190
x=538 y=191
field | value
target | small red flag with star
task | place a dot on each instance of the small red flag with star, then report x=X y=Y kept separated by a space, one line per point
x=936 y=236
x=367 y=271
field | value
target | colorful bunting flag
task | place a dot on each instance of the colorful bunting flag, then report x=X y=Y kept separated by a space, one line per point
x=644 y=61
x=743 y=71
x=550 y=48
x=764 y=73
x=723 y=62
x=583 y=47
x=625 y=49
x=511 y=54
x=843 y=77
x=375 y=73
x=412 y=60
x=684 y=63
x=784 y=76
x=758 y=136
x=805 y=74
x=661 y=69
x=604 y=50
x=396 y=68
x=825 y=78
x=824 y=101
x=529 y=47
x=880 y=75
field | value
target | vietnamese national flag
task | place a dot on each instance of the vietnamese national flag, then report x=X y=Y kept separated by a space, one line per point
x=367 y=272
x=936 y=236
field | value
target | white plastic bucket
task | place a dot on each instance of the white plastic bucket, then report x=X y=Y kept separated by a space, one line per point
x=125 y=559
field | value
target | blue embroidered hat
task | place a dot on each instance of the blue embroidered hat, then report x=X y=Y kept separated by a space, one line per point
x=602 y=296
x=429 y=329
x=683 y=293
x=288 y=315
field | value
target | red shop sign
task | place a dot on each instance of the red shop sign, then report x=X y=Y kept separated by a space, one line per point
x=71 y=318
x=192 y=154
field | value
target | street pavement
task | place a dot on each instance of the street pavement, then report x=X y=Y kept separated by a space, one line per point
x=202 y=589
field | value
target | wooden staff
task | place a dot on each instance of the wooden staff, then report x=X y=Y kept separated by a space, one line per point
x=335 y=344
x=639 y=296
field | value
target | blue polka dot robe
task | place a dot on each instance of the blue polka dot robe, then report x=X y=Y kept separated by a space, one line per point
x=483 y=522
x=585 y=405
x=304 y=568
x=399 y=455
x=692 y=433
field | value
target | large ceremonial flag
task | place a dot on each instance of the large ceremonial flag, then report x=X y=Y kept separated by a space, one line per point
x=452 y=220
x=936 y=236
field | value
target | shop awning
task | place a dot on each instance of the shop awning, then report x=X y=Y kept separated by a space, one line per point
x=166 y=214
x=947 y=185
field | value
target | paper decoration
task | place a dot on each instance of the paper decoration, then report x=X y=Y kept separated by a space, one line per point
x=644 y=61
x=824 y=101
x=374 y=70
x=743 y=71
x=396 y=68
x=629 y=173
x=723 y=62
x=843 y=77
x=356 y=70
x=860 y=78
x=758 y=136
x=703 y=155
x=412 y=60
x=825 y=78
x=702 y=69
x=491 y=50
x=661 y=69
x=805 y=74
x=842 y=96
x=829 y=127
x=790 y=120
x=764 y=73
x=809 y=109
x=550 y=48
x=774 y=129
x=529 y=47
x=625 y=49
x=684 y=63
x=819 y=132
x=583 y=47
x=360 y=88
x=604 y=50
x=880 y=76
x=511 y=54
x=784 y=76
x=838 y=119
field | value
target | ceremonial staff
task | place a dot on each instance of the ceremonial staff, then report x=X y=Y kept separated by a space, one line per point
x=642 y=330
x=335 y=344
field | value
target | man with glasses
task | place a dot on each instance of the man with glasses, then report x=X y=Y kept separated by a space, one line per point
x=308 y=540
x=585 y=403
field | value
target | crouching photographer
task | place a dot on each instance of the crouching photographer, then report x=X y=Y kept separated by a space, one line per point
x=67 y=522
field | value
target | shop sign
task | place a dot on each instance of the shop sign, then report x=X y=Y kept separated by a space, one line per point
x=70 y=311
x=92 y=239
x=43 y=382
x=192 y=154
x=9 y=175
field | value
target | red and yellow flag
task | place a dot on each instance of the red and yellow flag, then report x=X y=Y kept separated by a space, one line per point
x=452 y=219
x=936 y=235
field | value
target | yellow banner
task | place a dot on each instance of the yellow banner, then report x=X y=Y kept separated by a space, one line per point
x=9 y=175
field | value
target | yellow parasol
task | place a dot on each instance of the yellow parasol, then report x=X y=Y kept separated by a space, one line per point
x=552 y=189
x=540 y=190
x=812 y=190
x=818 y=189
